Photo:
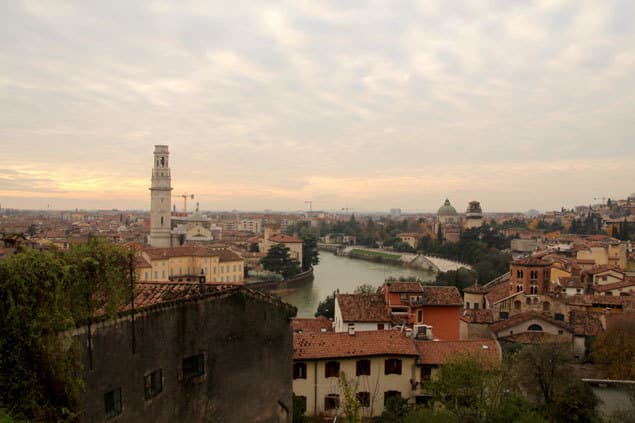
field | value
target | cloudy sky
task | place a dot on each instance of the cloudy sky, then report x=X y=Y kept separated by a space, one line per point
x=359 y=104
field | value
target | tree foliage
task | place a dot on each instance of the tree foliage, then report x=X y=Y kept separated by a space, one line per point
x=279 y=261
x=41 y=294
x=326 y=307
x=310 y=252
x=615 y=349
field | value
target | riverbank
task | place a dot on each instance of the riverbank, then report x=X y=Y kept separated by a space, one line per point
x=415 y=261
x=283 y=284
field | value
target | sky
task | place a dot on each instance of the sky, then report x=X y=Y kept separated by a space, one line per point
x=365 y=105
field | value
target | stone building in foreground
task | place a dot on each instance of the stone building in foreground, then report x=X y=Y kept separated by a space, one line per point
x=189 y=353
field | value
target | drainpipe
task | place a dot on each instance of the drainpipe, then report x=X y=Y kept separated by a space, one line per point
x=315 y=386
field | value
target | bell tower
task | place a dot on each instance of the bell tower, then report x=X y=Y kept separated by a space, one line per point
x=160 y=199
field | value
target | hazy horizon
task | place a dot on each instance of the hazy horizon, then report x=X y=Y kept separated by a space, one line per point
x=362 y=105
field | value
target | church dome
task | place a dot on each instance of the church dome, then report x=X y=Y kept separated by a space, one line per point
x=446 y=209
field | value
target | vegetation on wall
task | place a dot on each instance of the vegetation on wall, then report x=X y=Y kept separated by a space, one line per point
x=43 y=293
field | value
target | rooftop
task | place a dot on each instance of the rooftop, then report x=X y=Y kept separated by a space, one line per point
x=363 y=308
x=439 y=352
x=313 y=346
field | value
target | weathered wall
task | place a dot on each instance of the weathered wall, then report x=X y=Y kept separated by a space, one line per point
x=247 y=342
x=444 y=321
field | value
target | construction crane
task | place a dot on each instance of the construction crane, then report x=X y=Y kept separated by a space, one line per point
x=310 y=203
x=185 y=197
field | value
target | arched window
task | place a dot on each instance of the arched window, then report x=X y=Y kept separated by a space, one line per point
x=535 y=327
x=546 y=306
x=517 y=305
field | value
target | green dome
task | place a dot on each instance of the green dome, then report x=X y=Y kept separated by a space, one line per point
x=446 y=209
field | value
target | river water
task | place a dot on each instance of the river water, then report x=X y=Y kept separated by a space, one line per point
x=343 y=273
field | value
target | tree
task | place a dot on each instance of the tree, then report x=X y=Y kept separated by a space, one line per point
x=326 y=307
x=365 y=288
x=279 y=261
x=544 y=371
x=351 y=405
x=310 y=252
x=615 y=349
x=43 y=294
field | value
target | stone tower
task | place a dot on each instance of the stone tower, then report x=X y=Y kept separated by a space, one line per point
x=161 y=199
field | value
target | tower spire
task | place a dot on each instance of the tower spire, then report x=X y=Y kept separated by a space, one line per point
x=160 y=199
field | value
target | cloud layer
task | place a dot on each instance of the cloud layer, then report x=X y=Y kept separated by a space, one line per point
x=369 y=105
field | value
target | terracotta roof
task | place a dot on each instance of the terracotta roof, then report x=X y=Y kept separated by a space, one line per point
x=584 y=323
x=603 y=268
x=141 y=263
x=571 y=282
x=497 y=293
x=441 y=296
x=312 y=346
x=404 y=287
x=439 y=352
x=523 y=317
x=477 y=316
x=476 y=289
x=363 y=308
x=163 y=253
x=314 y=324
x=530 y=261
x=284 y=239
x=614 y=285
x=228 y=255
x=601 y=300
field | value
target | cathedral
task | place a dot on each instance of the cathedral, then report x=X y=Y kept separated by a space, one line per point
x=167 y=230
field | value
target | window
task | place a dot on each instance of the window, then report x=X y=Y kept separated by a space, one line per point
x=517 y=305
x=391 y=394
x=528 y=301
x=156 y=275
x=475 y=306
x=112 y=403
x=403 y=297
x=363 y=368
x=380 y=326
x=146 y=274
x=426 y=372
x=222 y=269
x=419 y=315
x=153 y=383
x=559 y=316
x=467 y=306
x=194 y=366
x=392 y=366
x=503 y=315
x=163 y=274
x=546 y=306
x=299 y=370
x=363 y=398
x=331 y=369
x=560 y=331
x=535 y=327
x=331 y=402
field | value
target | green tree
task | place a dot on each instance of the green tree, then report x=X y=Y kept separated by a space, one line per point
x=279 y=261
x=350 y=404
x=310 y=252
x=326 y=307
x=43 y=294
x=365 y=288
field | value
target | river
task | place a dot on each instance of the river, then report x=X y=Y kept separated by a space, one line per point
x=343 y=273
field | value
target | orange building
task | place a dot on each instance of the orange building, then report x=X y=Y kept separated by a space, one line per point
x=530 y=275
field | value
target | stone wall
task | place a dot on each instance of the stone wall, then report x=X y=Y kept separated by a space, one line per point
x=246 y=342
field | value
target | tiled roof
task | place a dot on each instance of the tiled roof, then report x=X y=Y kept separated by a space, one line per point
x=477 y=316
x=141 y=263
x=163 y=253
x=523 y=317
x=404 y=287
x=615 y=285
x=476 y=289
x=314 y=324
x=228 y=255
x=603 y=268
x=601 y=300
x=584 y=323
x=311 y=346
x=571 y=282
x=530 y=261
x=441 y=296
x=439 y=352
x=284 y=239
x=497 y=293
x=363 y=307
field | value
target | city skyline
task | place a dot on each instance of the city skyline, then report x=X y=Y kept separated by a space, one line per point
x=368 y=107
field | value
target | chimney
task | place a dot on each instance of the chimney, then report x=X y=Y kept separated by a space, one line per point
x=351 y=330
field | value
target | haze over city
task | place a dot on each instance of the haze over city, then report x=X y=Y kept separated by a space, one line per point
x=348 y=104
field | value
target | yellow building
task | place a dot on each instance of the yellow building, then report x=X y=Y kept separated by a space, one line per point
x=381 y=364
x=409 y=238
x=179 y=264
x=614 y=254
